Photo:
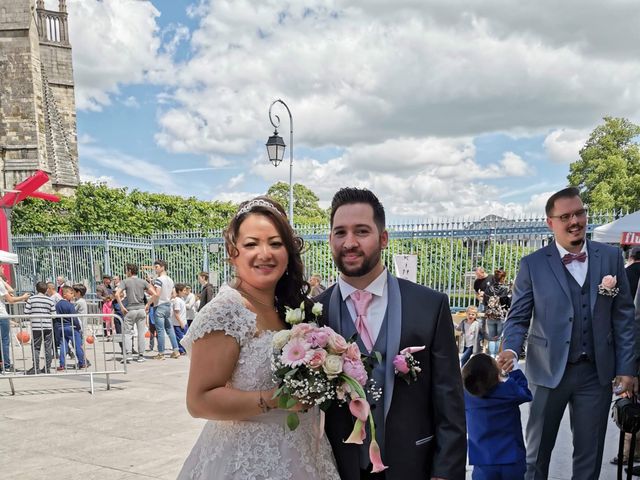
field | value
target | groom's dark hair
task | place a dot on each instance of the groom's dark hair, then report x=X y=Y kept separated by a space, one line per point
x=480 y=374
x=569 y=192
x=349 y=195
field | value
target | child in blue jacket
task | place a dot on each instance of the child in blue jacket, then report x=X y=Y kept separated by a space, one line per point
x=494 y=428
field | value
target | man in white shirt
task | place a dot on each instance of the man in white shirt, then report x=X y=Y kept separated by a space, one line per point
x=572 y=299
x=162 y=291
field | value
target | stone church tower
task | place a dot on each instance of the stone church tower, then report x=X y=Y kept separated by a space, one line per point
x=37 y=104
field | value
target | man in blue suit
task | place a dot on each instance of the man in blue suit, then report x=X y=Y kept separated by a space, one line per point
x=573 y=299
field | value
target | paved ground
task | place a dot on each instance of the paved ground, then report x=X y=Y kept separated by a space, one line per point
x=54 y=429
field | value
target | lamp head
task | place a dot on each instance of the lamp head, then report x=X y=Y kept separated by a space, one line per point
x=275 y=148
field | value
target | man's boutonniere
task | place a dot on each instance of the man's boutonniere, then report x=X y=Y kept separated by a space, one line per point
x=608 y=286
x=406 y=366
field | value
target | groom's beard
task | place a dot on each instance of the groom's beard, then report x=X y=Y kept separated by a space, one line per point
x=368 y=264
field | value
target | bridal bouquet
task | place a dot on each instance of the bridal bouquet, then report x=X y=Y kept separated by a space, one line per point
x=316 y=366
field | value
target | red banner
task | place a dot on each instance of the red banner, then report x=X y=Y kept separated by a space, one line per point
x=630 y=238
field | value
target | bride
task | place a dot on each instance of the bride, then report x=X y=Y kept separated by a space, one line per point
x=229 y=342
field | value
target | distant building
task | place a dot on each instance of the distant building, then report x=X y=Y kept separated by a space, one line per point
x=37 y=104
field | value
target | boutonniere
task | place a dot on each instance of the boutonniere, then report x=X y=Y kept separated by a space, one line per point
x=406 y=366
x=608 y=286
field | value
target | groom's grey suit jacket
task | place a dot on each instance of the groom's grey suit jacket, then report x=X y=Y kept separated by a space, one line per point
x=542 y=306
x=424 y=426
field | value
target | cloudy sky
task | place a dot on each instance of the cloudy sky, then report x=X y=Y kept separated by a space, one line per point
x=443 y=108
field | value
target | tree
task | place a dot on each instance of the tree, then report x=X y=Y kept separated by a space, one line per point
x=305 y=203
x=608 y=172
x=97 y=208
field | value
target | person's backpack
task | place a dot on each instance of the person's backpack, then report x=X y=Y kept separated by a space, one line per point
x=494 y=309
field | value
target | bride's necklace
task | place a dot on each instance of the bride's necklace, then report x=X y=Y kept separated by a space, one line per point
x=251 y=297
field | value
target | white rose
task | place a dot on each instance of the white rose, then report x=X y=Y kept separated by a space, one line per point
x=317 y=309
x=280 y=339
x=332 y=366
x=293 y=316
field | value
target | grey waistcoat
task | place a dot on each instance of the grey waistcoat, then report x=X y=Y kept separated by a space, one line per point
x=581 y=328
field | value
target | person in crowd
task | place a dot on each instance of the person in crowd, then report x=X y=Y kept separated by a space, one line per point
x=153 y=333
x=179 y=314
x=40 y=308
x=420 y=427
x=572 y=299
x=480 y=284
x=206 y=292
x=107 y=319
x=492 y=404
x=60 y=282
x=316 y=285
x=80 y=291
x=69 y=329
x=133 y=288
x=5 y=326
x=497 y=300
x=633 y=271
x=230 y=343
x=162 y=289
x=190 y=302
x=470 y=334
x=53 y=293
x=104 y=290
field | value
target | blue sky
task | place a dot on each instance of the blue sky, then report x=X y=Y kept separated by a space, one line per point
x=443 y=108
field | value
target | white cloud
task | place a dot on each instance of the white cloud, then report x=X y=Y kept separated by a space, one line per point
x=356 y=72
x=235 y=181
x=114 y=43
x=235 y=197
x=563 y=145
x=514 y=165
x=118 y=162
x=88 y=175
x=131 y=102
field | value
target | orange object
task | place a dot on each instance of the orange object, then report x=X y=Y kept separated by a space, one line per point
x=90 y=339
x=23 y=337
x=147 y=334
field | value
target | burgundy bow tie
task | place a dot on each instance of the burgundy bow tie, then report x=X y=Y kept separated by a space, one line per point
x=570 y=257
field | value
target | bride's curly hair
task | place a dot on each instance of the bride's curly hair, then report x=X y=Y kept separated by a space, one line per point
x=292 y=289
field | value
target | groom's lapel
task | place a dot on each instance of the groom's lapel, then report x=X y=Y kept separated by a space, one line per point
x=394 y=327
x=335 y=309
x=595 y=269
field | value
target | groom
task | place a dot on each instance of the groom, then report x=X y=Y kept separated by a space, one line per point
x=420 y=426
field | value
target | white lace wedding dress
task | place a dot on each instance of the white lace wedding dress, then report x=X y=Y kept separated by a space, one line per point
x=261 y=448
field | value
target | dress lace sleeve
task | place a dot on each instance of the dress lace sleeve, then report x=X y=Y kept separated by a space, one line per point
x=226 y=313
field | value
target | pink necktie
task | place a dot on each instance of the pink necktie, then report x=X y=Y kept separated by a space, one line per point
x=361 y=301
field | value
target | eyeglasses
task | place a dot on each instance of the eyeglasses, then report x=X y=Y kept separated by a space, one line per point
x=566 y=217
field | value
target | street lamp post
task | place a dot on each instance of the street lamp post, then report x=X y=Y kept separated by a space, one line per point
x=275 y=149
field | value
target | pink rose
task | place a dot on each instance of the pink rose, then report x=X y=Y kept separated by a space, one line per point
x=337 y=343
x=400 y=364
x=353 y=352
x=317 y=338
x=355 y=369
x=318 y=358
x=301 y=329
x=609 y=282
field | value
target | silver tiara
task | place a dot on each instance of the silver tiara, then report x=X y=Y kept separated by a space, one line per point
x=258 y=202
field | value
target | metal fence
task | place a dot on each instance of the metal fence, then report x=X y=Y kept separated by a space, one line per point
x=446 y=250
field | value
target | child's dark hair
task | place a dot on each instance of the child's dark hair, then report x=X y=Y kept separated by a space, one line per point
x=180 y=287
x=41 y=287
x=80 y=288
x=480 y=374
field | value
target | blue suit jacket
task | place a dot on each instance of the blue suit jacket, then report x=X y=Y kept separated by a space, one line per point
x=493 y=422
x=542 y=306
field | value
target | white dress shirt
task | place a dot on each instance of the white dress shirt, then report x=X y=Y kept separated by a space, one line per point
x=578 y=270
x=377 y=307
